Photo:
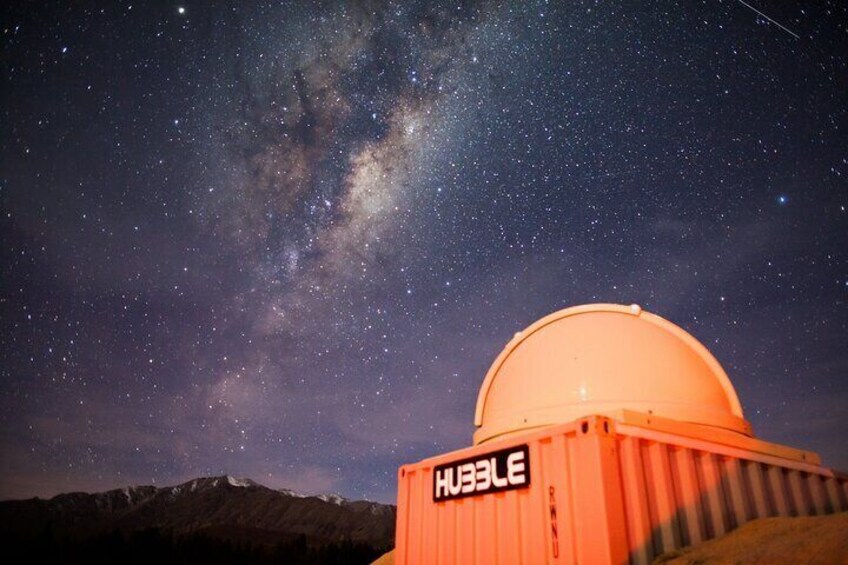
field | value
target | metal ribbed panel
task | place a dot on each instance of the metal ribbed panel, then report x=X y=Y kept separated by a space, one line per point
x=604 y=495
x=675 y=496
x=507 y=527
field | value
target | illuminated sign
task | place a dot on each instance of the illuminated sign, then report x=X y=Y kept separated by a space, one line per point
x=496 y=471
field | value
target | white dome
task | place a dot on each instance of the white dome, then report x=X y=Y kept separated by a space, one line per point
x=599 y=359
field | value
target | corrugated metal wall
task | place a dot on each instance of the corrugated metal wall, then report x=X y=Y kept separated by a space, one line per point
x=517 y=526
x=676 y=495
x=605 y=494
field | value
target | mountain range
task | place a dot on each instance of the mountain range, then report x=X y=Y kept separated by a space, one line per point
x=238 y=512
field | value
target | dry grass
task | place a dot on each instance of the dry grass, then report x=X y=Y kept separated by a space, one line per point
x=819 y=540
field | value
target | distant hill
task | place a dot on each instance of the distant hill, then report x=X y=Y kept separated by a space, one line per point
x=234 y=520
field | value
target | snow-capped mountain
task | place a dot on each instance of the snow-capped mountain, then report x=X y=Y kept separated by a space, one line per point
x=234 y=509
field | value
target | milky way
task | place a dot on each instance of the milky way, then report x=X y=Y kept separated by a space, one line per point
x=285 y=241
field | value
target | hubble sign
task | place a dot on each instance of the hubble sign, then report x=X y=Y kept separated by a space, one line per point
x=497 y=471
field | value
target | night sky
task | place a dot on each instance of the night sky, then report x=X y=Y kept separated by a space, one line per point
x=286 y=241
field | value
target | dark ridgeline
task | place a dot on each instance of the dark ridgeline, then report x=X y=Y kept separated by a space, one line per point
x=207 y=520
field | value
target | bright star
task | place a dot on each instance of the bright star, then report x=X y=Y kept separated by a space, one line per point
x=181 y=10
x=782 y=199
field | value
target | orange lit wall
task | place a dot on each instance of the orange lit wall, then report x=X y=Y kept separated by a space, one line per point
x=607 y=492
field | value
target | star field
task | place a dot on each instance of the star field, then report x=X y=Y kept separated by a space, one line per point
x=285 y=241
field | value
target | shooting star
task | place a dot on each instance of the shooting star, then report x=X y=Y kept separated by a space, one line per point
x=778 y=24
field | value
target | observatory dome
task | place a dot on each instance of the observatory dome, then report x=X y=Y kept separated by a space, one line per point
x=601 y=359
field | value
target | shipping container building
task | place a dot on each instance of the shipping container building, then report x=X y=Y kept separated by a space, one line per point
x=605 y=434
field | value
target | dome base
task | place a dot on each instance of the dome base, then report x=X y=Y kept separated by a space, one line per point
x=516 y=424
